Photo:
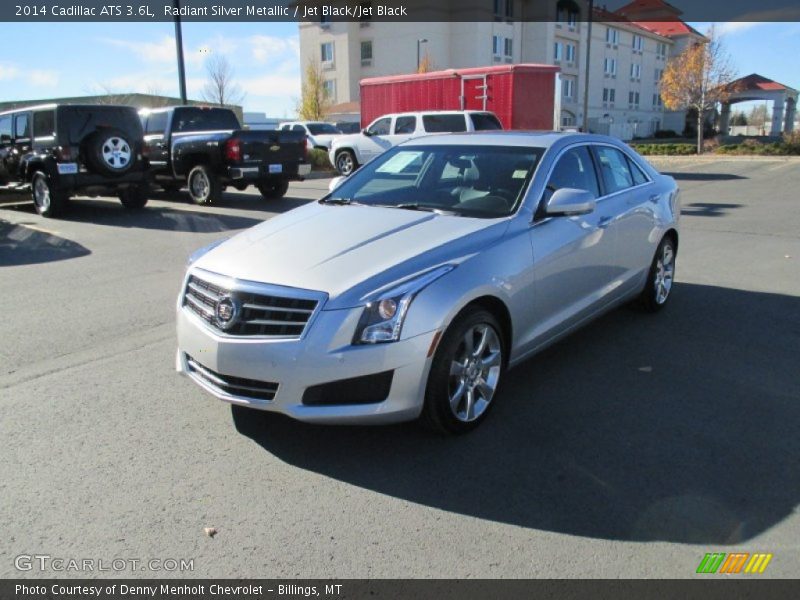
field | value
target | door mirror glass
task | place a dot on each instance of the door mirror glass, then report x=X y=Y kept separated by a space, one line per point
x=366 y=132
x=570 y=202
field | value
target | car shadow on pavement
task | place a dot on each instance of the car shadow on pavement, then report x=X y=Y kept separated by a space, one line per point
x=23 y=245
x=708 y=209
x=113 y=214
x=239 y=201
x=687 y=176
x=679 y=427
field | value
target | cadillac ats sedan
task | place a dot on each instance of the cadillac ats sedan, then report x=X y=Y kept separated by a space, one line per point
x=412 y=287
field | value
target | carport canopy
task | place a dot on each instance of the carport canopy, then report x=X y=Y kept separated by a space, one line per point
x=758 y=87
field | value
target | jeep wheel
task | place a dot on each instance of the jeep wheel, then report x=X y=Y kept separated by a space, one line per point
x=204 y=187
x=271 y=191
x=109 y=152
x=134 y=197
x=48 y=201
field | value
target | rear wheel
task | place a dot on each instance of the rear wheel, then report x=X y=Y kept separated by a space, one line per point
x=271 y=191
x=48 y=201
x=134 y=197
x=204 y=187
x=658 y=288
x=465 y=373
x=346 y=162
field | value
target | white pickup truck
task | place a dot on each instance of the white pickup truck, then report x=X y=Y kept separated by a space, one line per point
x=348 y=152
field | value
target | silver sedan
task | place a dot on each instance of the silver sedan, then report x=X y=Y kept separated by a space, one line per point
x=410 y=289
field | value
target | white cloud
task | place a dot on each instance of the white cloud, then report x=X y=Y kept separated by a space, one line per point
x=268 y=47
x=273 y=85
x=161 y=51
x=8 y=72
x=43 y=78
x=734 y=27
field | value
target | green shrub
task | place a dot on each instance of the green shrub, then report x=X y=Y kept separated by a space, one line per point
x=665 y=149
x=319 y=160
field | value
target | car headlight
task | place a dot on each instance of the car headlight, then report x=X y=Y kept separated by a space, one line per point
x=199 y=253
x=383 y=316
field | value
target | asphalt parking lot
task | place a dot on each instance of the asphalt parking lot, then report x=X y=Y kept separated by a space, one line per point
x=628 y=450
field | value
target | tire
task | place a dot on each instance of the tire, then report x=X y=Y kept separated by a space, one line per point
x=657 y=290
x=48 y=202
x=204 y=186
x=346 y=162
x=454 y=379
x=110 y=152
x=272 y=191
x=134 y=197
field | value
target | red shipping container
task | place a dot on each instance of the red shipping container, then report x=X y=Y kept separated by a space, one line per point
x=523 y=96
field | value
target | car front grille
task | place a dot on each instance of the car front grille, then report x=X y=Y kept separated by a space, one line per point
x=252 y=389
x=257 y=314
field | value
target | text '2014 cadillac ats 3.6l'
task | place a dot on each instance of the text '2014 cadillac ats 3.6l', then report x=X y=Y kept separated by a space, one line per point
x=409 y=289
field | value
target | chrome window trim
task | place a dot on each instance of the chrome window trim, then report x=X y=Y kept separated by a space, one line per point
x=232 y=284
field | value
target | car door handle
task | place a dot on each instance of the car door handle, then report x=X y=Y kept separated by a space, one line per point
x=604 y=222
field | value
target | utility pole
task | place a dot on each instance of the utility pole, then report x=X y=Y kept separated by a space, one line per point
x=179 y=45
x=586 y=67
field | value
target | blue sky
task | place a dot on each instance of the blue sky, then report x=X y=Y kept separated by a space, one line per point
x=128 y=57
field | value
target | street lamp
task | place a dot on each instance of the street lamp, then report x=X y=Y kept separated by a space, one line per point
x=419 y=44
x=179 y=46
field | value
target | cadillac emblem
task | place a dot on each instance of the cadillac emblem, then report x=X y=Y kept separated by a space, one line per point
x=226 y=313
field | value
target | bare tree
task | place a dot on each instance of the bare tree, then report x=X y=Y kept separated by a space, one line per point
x=697 y=79
x=315 y=102
x=221 y=87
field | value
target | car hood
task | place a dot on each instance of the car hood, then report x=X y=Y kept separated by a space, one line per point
x=347 y=139
x=348 y=251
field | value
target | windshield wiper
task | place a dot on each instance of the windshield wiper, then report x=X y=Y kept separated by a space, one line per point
x=418 y=206
x=338 y=201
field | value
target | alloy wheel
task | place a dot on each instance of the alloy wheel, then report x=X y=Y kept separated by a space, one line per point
x=475 y=372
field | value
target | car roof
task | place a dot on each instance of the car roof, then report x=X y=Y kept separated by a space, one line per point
x=539 y=139
x=434 y=112
x=53 y=106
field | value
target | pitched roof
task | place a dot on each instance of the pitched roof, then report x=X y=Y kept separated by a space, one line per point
x=755 y=82
x=668 y=28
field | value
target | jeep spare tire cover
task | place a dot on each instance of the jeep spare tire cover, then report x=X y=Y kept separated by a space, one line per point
x=110 y=152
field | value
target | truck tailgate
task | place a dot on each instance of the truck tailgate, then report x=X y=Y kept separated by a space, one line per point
x=272 y=147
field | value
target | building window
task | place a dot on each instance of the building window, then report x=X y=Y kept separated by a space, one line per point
x=570 y=53
x=366 y=12
x=498 y=9
x=497 y=45
x=509 y=47
x=366 y=53
x=566 y=12
x=558 y=51
x=636 y=71
x=612 y=36
x=661 y=50
x=568 y=88
x=326 y=53
x=609 y=95
x=610 y=66
x=633 y=99
x=329 y=87
x=509 y=9
x=659 y=73
x=638 y=42
x=657 y=101
x=325 y=21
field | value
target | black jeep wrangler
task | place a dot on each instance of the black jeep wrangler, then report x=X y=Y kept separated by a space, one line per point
x=56 y=151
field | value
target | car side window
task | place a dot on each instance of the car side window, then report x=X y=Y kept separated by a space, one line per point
x=446 y=123
x=156 y=123
x=614 y=169
x=21 y=127
x=44 y=123
x=298 y=128
x=574 y=170
x=5 y=129
x=381 y=126
x=639 y=177
x=405 y=125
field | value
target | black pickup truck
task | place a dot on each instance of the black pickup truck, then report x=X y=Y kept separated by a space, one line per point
x=207 y=150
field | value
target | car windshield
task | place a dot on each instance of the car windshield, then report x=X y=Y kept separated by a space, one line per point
x=322 y=128
x=465 y=180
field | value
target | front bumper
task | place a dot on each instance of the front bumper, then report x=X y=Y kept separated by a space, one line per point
x=323 y=355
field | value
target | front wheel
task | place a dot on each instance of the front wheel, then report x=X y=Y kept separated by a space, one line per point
x=465 y=373
x=346 y=162
x=660 y=278
x=271 y=191
x=49 y=202
x=134 y=197
x=204 y=186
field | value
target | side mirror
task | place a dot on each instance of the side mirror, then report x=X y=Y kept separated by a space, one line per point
x=570 y=202
x=5 y=139
x=336 y=182
x=366 y=132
